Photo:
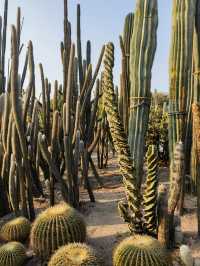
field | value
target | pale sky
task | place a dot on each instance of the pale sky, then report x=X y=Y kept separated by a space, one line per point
x=102 y=21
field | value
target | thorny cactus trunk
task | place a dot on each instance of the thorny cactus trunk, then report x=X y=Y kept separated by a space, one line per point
x=180 y=74
x=142 y=51
x=130 y=211
x=177 y=170
x=196 y=150
x=150 y=192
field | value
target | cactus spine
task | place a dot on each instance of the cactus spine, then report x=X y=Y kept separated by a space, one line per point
x=121 y=143
x=142 y=51
x=150 y=193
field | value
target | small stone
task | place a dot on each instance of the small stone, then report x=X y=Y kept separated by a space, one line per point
x=197 y=262
x=186 y=255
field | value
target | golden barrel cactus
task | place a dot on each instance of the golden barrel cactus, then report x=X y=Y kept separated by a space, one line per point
x=17 y=229
x=75 y=254
x=55 y=227
x=12 y=254
x=140 y=250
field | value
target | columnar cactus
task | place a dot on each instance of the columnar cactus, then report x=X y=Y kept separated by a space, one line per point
x=140 y=250
x=55 y=227
x=180 y=69
x=177 y=171
x=12 y=254
x=133 y=214
x=17 y=229
x=150 y=192
x=124 y=103
x=74 y=255
x=142 y=51
x=196 y=153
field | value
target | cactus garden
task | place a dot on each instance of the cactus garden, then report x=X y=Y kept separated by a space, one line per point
x=99 y=151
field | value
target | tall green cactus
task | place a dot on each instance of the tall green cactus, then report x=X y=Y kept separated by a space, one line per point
x=3 y=47
x=142 y=51
x=132 y=214
x=17 y=114
x=150 y=192
x=125 y=76
x=180 y=68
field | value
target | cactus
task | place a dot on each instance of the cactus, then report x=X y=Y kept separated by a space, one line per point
x=17 y=114
x=3 y=51
x=180 y=69
x=196 y=153
x=140 y=250
x=74 y=255
x=55 y=227
x=17 y=229
x=125 y=76
x=121 y=143
x=177 y=172
x=12 y=254
x=163 y=220
x=150 y=193
x=142 y=51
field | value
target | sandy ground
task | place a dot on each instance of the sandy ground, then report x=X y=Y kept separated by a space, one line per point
x=104 y=226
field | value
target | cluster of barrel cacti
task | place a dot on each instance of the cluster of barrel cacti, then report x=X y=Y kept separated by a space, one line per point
x=60 y=229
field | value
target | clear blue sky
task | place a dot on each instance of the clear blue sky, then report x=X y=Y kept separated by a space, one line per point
x=102 y=21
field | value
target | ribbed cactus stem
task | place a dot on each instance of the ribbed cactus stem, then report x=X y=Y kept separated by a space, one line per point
x=4 y=37
x=177 y=171
x=120 y=141
x=150 y=192
x=17 y=112
x=142 y=51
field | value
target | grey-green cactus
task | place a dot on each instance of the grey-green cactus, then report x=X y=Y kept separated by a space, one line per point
x=124 y=102
x=142 y=51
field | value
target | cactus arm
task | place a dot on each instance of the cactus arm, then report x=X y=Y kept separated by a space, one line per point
x=30 y=85
x=150 y=192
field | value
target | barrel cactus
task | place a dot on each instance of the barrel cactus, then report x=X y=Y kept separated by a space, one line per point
x=140 y=250
x=12 y=254
x=55 y=227
x=74 y=254
x=17 y=229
